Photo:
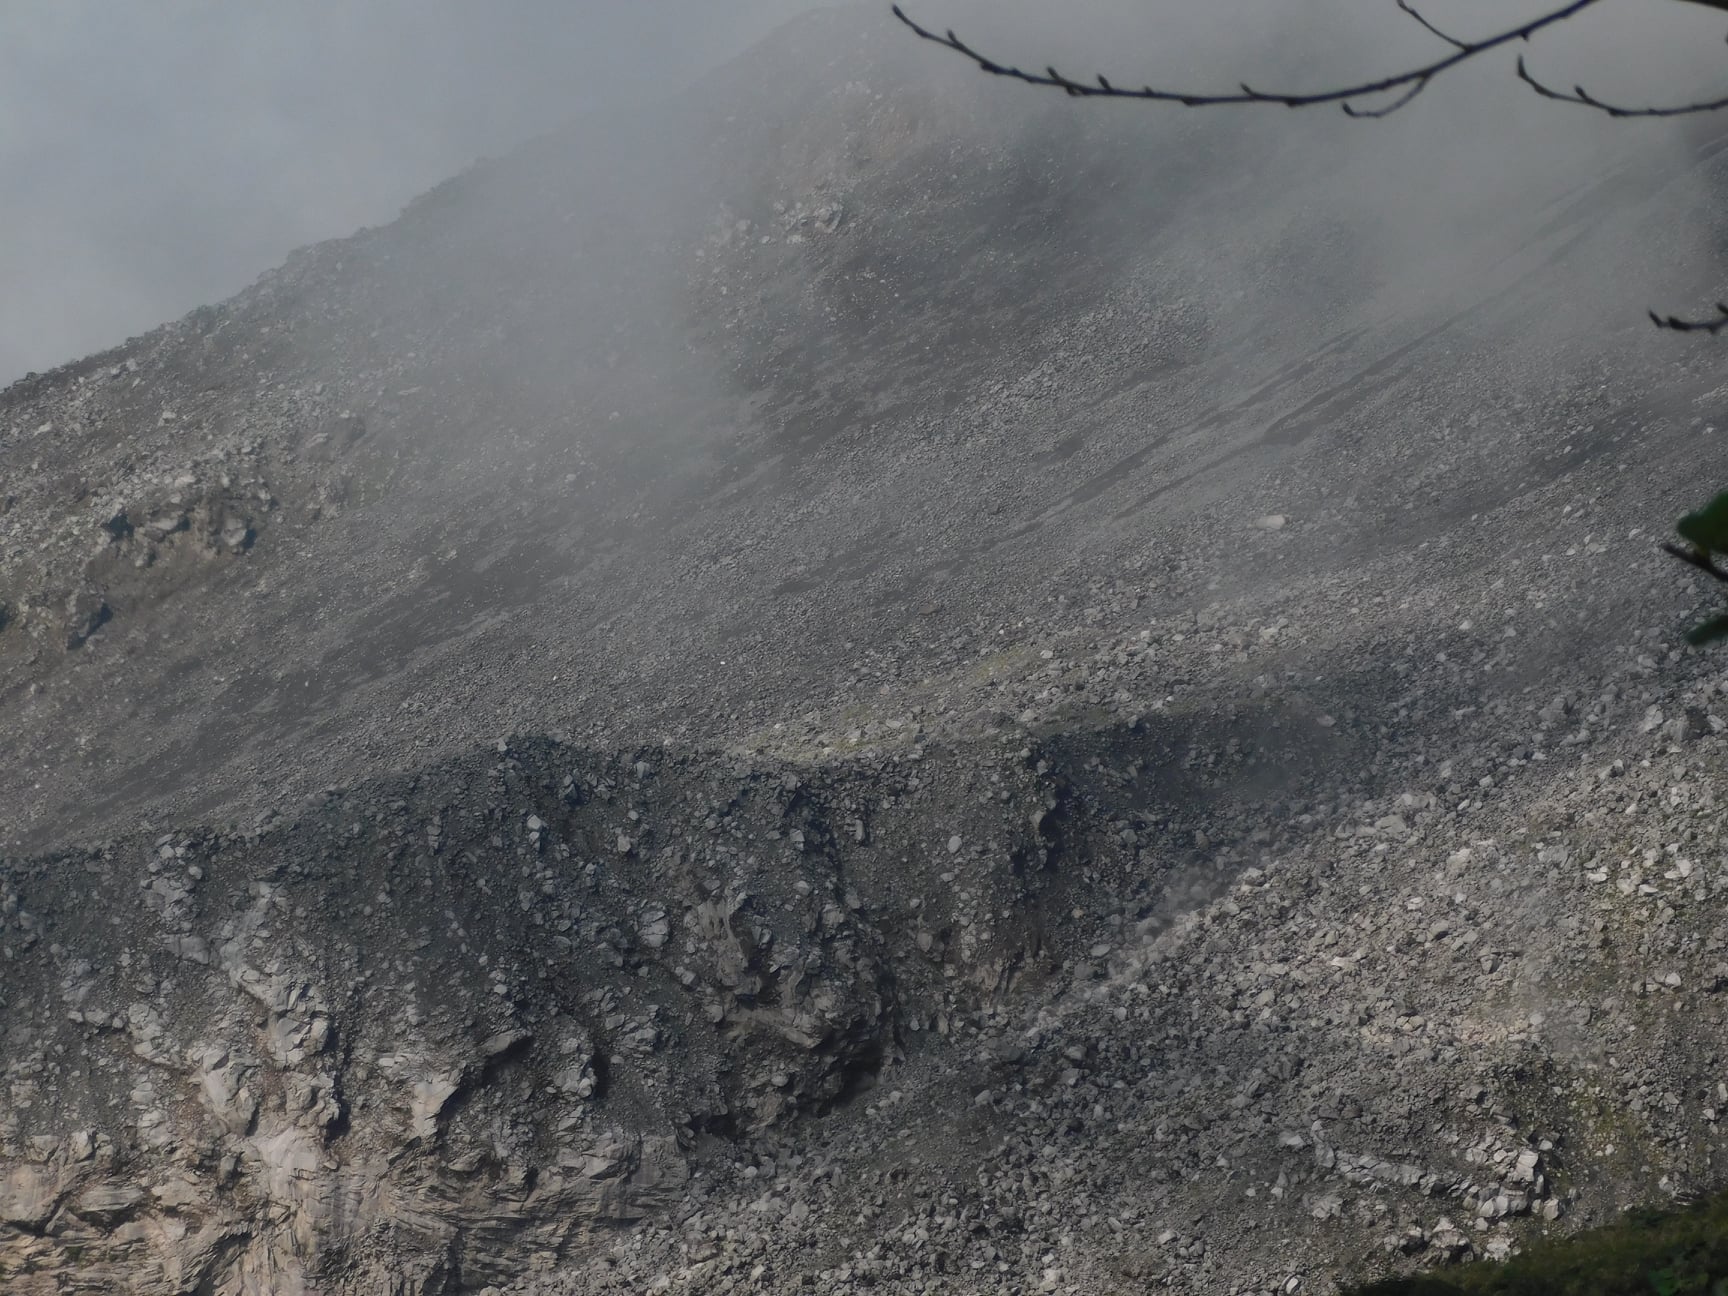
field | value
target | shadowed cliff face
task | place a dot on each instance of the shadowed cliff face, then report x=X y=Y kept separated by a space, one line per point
x=416 y=1035
x=425 y=1035
x=1124 y=626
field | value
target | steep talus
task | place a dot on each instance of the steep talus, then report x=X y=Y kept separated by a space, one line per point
x=864 y=680
x=422 y=1035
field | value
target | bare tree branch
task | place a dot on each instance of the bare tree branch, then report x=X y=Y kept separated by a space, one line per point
x=1350 y=110
x=1680 y=325
x=1407 y=85
x=1411 y=83
x=1696 y=558
x=1450 y=40
x=1579 y=95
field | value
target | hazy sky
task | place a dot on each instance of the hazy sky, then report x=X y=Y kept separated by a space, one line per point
x=159 y=154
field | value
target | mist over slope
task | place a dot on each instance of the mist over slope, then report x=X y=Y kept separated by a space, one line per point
x=1136 y=636
x=160 y=159
x=675 y=393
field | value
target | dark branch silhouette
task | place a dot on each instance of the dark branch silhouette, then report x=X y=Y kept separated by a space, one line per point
x=1450 y=40
x=1579 y=95
x=1679 y=325
x=1410 y=84
x=1696 y=558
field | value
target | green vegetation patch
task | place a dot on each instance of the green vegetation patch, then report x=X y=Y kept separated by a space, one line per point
x=1645 y=1253
x=1708 y=527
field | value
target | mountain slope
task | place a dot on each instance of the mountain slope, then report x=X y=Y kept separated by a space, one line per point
x=870 y=678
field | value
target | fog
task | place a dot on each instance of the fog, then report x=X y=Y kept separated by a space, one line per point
x=159 y=157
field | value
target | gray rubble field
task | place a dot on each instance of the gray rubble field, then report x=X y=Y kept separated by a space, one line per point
x=895 y=687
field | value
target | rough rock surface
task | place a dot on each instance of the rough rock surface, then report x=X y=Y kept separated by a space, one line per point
x=478 y=1015
x=1046 y=745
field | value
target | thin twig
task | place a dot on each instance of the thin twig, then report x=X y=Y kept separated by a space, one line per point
x=1696 y=558
x=1450 y=40
x=1351 y=110
x=1679 y=325
x=1579 y=95
x=1412 y=82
